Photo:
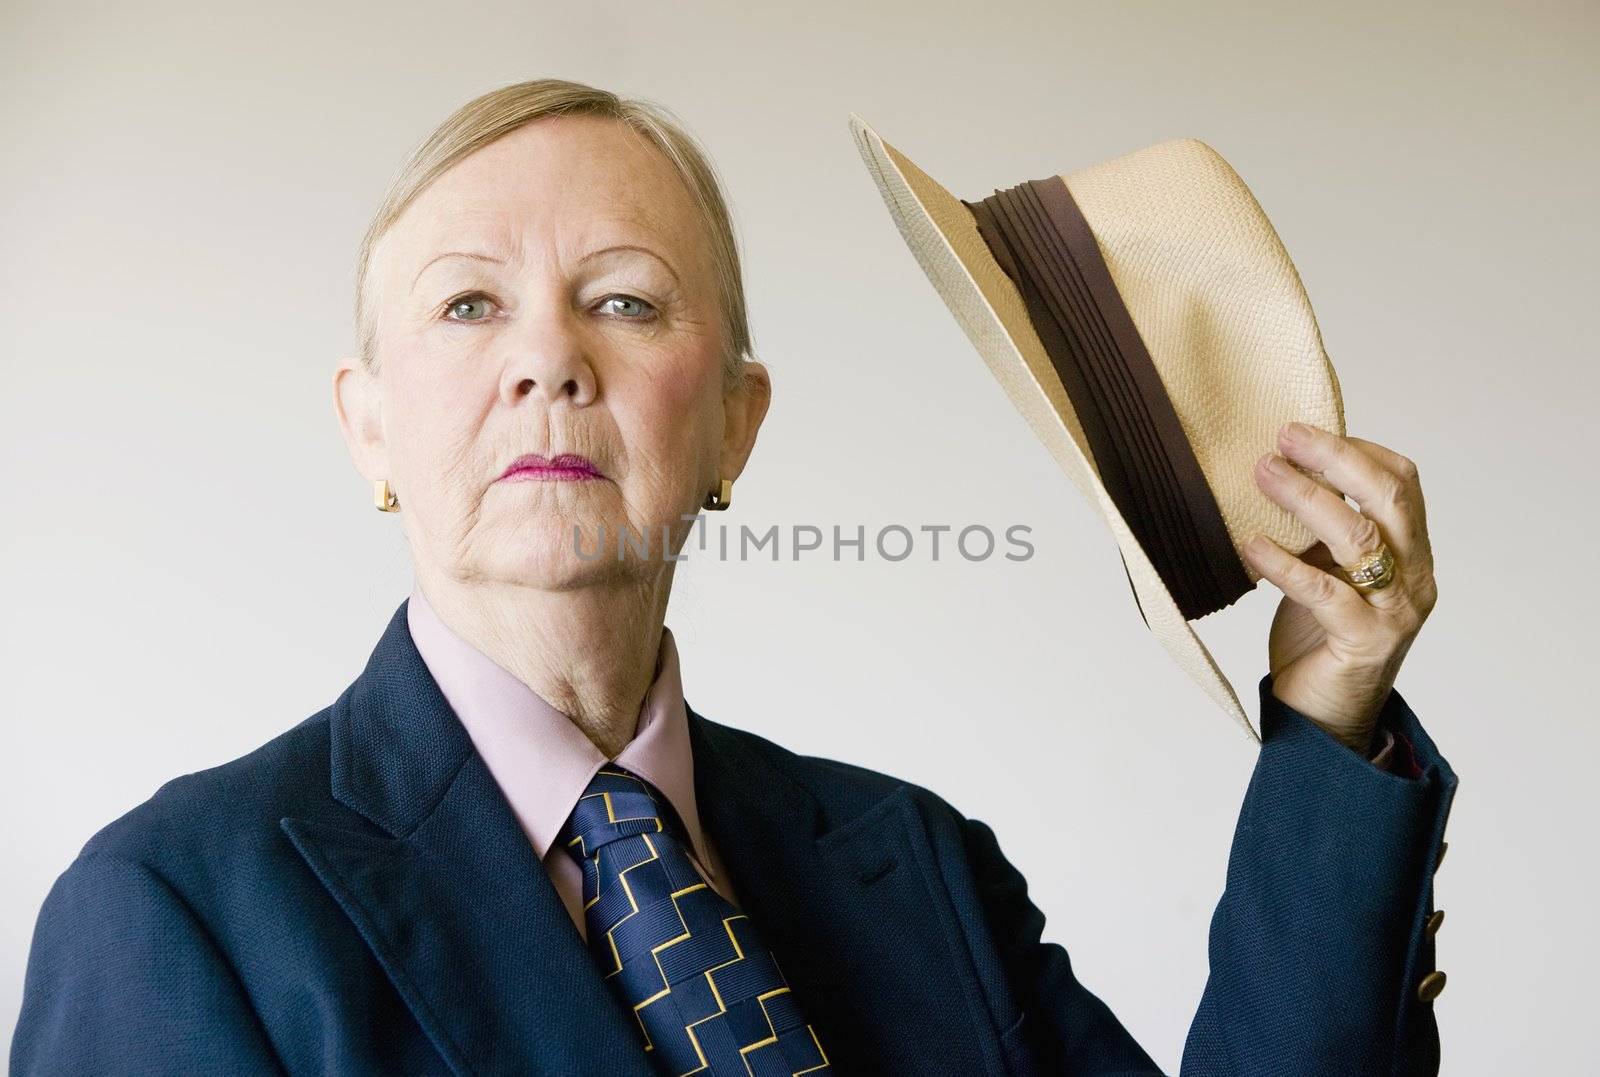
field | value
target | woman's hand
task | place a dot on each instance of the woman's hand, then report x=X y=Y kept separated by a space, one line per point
x=1333 y=650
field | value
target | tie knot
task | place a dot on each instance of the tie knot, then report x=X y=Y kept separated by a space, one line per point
x=615 y=804
x=686 y=964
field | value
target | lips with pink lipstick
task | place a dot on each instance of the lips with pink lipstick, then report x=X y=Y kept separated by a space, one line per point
x=566 y=467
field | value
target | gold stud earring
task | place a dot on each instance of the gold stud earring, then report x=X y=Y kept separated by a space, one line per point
x=384 y=497
x=720 y=498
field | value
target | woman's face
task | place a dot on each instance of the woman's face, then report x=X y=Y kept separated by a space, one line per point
x=551 y=294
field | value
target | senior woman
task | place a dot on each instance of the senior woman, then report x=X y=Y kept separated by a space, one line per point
x=510 y=847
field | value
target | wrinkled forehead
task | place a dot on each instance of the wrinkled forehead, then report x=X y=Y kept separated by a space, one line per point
x=554 y=189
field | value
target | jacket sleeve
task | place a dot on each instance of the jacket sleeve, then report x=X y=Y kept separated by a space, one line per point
x=1317 y=946
x=123 y=978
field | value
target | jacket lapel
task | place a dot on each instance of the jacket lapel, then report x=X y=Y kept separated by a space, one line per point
x=447 y=890
x=844 y=887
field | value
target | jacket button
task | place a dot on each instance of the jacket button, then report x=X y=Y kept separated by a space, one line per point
x=1443 y=846
x=1431 y=985
x=1434 y=923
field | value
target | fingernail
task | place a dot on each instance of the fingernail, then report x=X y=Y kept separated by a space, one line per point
x=1296 y=431
x=1276 y=464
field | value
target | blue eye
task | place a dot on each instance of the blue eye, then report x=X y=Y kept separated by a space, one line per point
x=473 y=307
x=646 y=311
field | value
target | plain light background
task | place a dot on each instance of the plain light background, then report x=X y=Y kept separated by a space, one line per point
x=192 y=564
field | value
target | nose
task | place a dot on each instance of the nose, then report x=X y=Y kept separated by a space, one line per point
x=551 y=367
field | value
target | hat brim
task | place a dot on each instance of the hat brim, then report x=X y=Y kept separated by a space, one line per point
x=944 y=239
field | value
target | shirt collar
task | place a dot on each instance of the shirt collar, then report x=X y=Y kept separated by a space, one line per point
x=541 y=761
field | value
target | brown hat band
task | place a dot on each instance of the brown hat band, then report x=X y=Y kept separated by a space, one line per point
x=1039 y=236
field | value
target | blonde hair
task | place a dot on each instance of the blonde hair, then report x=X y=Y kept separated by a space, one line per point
x=499 y=112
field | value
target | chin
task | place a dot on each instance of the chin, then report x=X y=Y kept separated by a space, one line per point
x=542 y=553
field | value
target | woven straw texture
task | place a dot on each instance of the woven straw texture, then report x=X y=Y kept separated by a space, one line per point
x=1215 y=298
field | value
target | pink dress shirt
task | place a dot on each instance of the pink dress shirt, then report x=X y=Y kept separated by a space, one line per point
x=542 y=762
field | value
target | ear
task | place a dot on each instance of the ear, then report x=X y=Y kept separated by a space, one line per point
x=745 y=405
x=358 y=404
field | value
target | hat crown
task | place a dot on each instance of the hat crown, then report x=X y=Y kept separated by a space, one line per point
x=1222 y=311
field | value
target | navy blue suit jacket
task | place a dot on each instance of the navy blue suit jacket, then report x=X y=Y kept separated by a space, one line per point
x=356 y=897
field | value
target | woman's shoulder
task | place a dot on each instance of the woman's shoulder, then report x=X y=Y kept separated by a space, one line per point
x=228 y=811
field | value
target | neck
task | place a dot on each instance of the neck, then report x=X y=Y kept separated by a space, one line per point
x=590 y=652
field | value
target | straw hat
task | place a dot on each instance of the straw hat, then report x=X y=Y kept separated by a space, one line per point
x=1144 y=317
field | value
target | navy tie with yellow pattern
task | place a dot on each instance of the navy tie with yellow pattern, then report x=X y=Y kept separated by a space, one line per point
x=707 y=994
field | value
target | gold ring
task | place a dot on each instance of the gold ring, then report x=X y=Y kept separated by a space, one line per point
x=1373 y=572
